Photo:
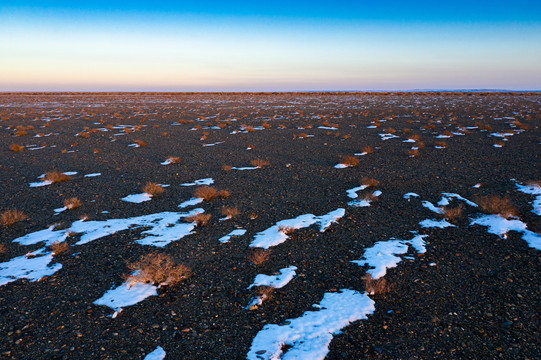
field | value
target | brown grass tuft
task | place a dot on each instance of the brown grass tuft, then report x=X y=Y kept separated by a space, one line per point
x=173 y=160
x=349 y=160
x=21 y=133
x=59 y=247
x=440 y=144
x=56 y=177
x=230 y=212
x=153 y=189
x=370 y=182
x=453 y=213
x=16 y=148
x=72 y=203
x=208 y=193
x=286 y=229
x=157 y=269
x=375 y=287
x=264 y=292
x=199 y=219
x=258 y=256
x=141 y=143
x=368 y=149
x=10 y=217
x=227 y=167
x=2 y=249
x=259 y=162
x=413 y=152
x=497 y=205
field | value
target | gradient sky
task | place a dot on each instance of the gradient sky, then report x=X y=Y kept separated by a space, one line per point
x=269 y=46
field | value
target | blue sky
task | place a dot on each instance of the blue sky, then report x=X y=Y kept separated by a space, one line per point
x=271 y=46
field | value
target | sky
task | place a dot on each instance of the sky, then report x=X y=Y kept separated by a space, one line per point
x=269 y=45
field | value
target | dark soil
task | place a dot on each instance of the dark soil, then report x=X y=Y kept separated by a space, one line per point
x=481 y=300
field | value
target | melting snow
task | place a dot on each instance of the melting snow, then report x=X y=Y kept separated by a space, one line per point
x=275 y=281
x=310 y=335
x=410 y=195
x=93 y=175
x=500 y=226
x=383 y=255
x=532 y=189
x=137 y=198
x=352 y=193
x=158 y=354
x=274 y=236
x=191 y=202
x=30 y=266
x=236 y=232
x=126 y=295
x=205 y=181
x=428 y=223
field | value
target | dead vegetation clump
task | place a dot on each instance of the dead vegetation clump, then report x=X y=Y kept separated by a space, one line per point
x=413 y=153
x=349 y=160
x=259 y=163
x=173 y=160
x=440 y=144
x=21 y=133
x=368 y=150
x=199 y=219
x=208 y=193
x=59 y=247
x=369 y=182
x=230 y=212
x=2 y=249
x=258 y=256
x=16 y=148
x=369 y=196
x=56 y=177
x=286 y=229
x=157 y=269
x=497 y=205
x=453 y=214
x=153 y=189
x=72 y=203
x=10 y=217
x=227 y=167
x=375 y=286
x=140 y=143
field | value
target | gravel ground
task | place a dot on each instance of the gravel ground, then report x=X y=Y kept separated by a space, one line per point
x=471 y=295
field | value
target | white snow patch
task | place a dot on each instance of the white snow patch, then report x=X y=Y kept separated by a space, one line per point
x=30 y=266
x=352 y=193
x=310 y=335
x=273 y=236
x=383 y=255
x=500 y=226
x=246 y=168
x=93 y=175
x=428 y=223
x=126 y=295
x=431 y=207
x=364 y=202
x=158 y=354
x=387 y=136
x=137 y=198
x=532 y=189
x=275 y=281
x=205 y=181
x=456 y=196
x=410 y=195
x=341 y=166
x=191 y=202
x=236 y=232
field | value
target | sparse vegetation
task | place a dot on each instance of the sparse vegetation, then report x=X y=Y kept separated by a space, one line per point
x=349 y=160
x=230 y=212
x=199 y=219
x=413 y=152
x=258 y=256
x=56 y=177
x=259 y=163
x=72 y=203
x=16 y=148
x=173 y=160
x=441 y=144
x=59 y=247
x=227 y=167
x=153 y=189
x=453 y=214
x=370 y=182
x=141 y=143
x=497 y=205
x=286 y=229
x=10 y=217
x=208 y=193
x=158 y=269
x=375 y=286
x=368 y=150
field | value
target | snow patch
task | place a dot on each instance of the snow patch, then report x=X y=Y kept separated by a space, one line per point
x=205 y=181
x=429 y=223
x=275 y=281
x=31 y=266
x=126 y=295
x=137 y=198
x=158 y=354
x=236 y=232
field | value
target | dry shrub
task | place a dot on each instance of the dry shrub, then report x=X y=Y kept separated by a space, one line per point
x=2 y=249
x=259 y=162
x=173 y=159
x=328 y=124
x=59 y=247
x=265 y=125
x=109 y=127
x=250 y=147
x=420 y=144
x=415 y=137
x=230 y=212
x=302 y=135
x=10 y=217
x=163 y=134
x=208 y=193
x=349 y=160
x=346 y=137
x=182 y=121
x=440 y=144
x=406 y=131
x=84 y=134
x=72 y=203
x=497 y=205
x=370 y=182
x=286 y=229
x=264 y=292
x=453 y=213
x=127 y=130
x=390 y=131
x=21 y=133
x=249 y=129
x=447 y=133
x=413 y=152
x=227 y=167
x=373 y=286
x=153 y=189
x=368 y=150
x=141 y=143
x=369 y=196
x=16 y=148
x=56 y=177
x=157 y=269
x=199 y=219
x=96 y=151
x=258 y=256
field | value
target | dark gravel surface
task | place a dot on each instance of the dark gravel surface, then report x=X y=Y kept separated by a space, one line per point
x=472 y=295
